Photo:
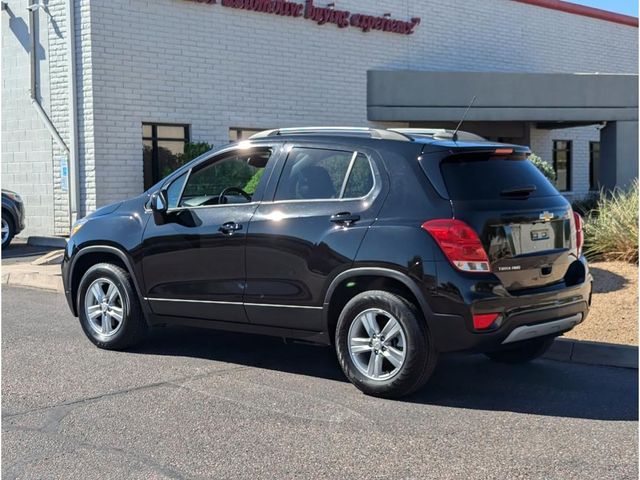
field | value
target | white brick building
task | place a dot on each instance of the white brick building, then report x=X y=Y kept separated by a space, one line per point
x=208 y=69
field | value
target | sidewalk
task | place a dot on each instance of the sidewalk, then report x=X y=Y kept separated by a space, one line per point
x=31 y=274
x=45 y=277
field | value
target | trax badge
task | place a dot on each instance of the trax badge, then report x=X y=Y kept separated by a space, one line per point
x=510 y=268
x=546 y=216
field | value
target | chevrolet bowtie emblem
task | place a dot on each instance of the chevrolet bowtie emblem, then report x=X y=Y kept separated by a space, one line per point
x=546 y=216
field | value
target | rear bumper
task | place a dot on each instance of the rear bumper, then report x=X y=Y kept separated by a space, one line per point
x=543 y=313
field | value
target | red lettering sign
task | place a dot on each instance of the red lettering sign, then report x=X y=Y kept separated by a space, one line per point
x=323 y=15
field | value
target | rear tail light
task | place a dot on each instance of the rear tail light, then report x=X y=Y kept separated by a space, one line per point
x=484 y=320
x=579 y=233
x=460 y=244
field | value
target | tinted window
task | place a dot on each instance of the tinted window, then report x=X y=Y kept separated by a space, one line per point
x=311 y=173
x=163 y=150
x=242 y=171
x=487 y=179
x=562 y=164
x=360 y=179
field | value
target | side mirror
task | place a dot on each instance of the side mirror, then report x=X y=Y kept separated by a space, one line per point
x=159 y=202
x=159 y=206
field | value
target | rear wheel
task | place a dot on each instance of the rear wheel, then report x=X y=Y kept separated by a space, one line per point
x=522 y=352
x=109 y=309
x=383 y=345
x=8 y=229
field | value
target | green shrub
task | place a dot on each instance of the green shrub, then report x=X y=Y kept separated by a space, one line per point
x=252 y=184
x=611 y=230
x=544 y=167
x=587 y=204
x=193 y=150
x=174 y=161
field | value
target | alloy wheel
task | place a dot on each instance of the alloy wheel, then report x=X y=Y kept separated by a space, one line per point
x=377 y=344
x=104 y=307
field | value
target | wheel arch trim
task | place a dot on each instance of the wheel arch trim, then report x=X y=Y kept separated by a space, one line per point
x=112 y=250
x=403 y=278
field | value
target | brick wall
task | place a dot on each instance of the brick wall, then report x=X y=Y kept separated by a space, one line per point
x=26 y=144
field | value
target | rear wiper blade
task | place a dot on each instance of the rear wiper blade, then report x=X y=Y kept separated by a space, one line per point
x=523 y=190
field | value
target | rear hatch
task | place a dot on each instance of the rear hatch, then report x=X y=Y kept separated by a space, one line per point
x=524 y=224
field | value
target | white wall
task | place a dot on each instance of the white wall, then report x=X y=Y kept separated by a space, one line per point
x=542 y=145
x=26 y=144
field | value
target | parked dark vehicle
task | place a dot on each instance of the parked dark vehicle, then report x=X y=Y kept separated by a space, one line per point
x=392 y=245
x=12 y=216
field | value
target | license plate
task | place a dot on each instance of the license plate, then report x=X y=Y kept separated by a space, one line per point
x=537 y=235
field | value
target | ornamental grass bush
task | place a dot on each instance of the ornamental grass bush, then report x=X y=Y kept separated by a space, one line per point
x=611 y=229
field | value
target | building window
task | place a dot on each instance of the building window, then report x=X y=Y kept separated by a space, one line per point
x=562 y=164
x=163 y=147
x=237 y=133
x=594 y=165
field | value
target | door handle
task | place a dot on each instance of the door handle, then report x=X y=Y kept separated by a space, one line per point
x=344 y=218
x=230 y=227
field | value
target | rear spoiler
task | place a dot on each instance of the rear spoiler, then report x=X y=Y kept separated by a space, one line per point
x=515 y=152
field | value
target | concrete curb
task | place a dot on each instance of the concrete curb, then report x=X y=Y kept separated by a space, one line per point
x=593 y=353
x=42 y=281
x=45 y=277
x=55 y=242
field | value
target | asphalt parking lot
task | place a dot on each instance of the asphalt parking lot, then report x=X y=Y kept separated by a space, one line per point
x=203 y=404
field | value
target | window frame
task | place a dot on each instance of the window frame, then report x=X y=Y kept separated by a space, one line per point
x=216 y=157
x=593 y=183
x=354 y=155
x=569 y=150
x=155 y=174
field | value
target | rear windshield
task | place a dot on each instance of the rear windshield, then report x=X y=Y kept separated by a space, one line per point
x=483 y=179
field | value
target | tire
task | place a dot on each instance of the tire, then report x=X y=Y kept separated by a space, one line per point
x=396 y=379
x=7 y=222
x=522 y=352
x=109 y=332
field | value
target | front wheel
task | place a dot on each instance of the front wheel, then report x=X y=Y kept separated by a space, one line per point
x=522 y=352
x=383 y=345
x=109 y=309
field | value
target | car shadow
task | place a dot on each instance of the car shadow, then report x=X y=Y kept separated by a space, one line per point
x=605 y=281
x=543 y=387
x=22 y=250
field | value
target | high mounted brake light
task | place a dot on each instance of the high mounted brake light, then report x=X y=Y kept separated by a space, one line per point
x=459 y=243
x=503 y=151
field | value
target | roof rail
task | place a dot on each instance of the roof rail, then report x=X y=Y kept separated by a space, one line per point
x=438 y=133
x=364 y=131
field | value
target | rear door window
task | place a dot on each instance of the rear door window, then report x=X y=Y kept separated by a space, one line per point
x=322 y=174
x=493 y=178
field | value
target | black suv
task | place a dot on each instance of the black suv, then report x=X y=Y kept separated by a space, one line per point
x=392 y=245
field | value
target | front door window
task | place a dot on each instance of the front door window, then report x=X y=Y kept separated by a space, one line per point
x=231 y=179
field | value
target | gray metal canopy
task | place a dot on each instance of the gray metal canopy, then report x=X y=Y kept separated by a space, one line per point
x=413 y=96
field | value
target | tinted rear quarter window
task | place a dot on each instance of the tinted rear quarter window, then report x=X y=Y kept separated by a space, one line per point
x=484 y=179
